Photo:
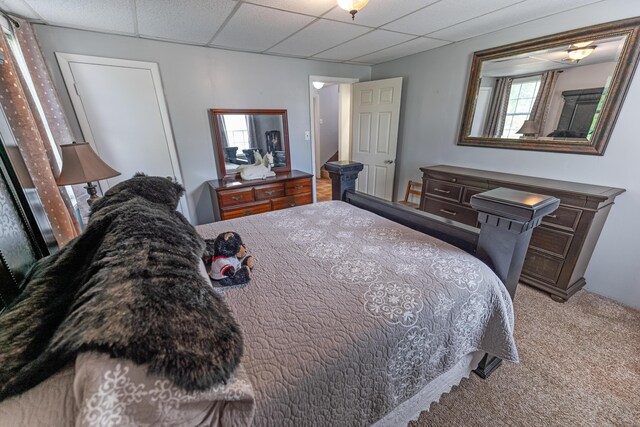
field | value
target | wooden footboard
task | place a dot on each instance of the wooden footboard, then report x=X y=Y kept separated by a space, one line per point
x=507 y=219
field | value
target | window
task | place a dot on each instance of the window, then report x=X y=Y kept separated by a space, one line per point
x=237 y=132
x=521 y=98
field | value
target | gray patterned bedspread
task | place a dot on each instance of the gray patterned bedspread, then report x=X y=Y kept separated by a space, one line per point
x=350 y=314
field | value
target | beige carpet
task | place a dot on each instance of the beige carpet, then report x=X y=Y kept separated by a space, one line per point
x=579 y=366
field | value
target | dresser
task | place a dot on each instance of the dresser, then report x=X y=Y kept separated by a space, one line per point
x=560 y=248
x=236 y=198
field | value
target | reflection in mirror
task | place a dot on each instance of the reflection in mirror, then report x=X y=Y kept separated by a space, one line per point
x=240 y=134
x=549 y=94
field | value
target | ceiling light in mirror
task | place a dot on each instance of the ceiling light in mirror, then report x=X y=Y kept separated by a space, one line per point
x=582 y=44
x=579 y=54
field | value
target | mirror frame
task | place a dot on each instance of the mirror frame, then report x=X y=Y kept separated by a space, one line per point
x=215 y=112
x=618 y=88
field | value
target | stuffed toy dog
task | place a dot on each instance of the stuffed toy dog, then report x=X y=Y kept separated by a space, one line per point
x=228 y=263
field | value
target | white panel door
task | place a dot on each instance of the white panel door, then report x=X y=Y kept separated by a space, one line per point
x=122 y=112
x=376 y=114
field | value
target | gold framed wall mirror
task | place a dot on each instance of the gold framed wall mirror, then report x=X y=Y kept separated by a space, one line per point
x=239 y=133
x=559 y=93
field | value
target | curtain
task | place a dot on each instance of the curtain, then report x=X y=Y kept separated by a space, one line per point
x=30 y=130
x=251 y=128
x=543 y=100
x=494 y=125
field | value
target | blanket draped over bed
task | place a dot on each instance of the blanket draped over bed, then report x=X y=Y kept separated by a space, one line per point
x=349 y=314
x=129 y=287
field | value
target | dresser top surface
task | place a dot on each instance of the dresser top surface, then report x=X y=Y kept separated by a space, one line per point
x=567 y=186
x=240 y=183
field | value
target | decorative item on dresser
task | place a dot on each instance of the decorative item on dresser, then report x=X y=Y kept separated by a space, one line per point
x=560 y=248
x=237 y=198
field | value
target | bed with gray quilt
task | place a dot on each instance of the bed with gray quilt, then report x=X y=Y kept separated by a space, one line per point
x=349 y=314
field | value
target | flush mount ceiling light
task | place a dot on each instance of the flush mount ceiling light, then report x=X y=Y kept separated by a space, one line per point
x=582 y=44
x=318 y=85
x=578 y=54
x=352 y=6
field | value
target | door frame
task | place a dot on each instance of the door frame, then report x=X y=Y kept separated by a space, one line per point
x=312 y=93
x=65 y=60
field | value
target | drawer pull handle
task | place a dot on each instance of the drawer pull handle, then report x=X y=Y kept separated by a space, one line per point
x=269 y=192
x=237 y=198
x=449 y=212
x=292 y=204
x=439 y=190
x=299 y=187
x=552 y=216
x=454 y=180
x=247 y=212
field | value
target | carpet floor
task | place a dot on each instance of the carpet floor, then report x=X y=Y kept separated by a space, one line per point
x=579 y=366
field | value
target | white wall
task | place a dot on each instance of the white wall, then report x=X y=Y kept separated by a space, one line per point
x=196 y=79
x=328 y=138
x=434 y=90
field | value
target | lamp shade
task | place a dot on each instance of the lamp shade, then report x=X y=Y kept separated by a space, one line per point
x=529 y=127
x=81 y=164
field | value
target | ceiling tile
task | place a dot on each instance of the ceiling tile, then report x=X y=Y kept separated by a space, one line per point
x=445 y=13
x=18 y=7
x=319 y=36
x=377 y=13
x=405 y=49
x=310 y=7
x=169 y=19
x=258 y=28
x=113 y=15
x=507 y=17
x=371 y=42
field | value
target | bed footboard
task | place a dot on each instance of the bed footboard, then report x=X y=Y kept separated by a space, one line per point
x=507 y=219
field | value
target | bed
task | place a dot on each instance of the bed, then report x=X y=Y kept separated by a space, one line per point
x=351 y=319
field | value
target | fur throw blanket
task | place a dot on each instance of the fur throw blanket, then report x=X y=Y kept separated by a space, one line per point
x=129 y=286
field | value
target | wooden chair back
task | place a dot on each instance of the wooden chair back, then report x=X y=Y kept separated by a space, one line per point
x=414 y=188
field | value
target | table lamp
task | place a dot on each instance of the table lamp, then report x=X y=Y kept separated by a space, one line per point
x=529 y=129
x=81 y=164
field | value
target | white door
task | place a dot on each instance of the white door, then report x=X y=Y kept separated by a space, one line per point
x=123 y=115
x=376 y=114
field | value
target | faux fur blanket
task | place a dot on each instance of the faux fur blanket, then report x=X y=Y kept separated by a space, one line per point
x=129 y=286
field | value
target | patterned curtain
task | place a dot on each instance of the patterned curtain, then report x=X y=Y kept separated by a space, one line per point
x=30 y=130
x=498 y=108
x=543 y=99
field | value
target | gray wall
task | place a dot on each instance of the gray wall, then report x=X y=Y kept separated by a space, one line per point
x=328 y=108
x=196 y=79
x=433 y=95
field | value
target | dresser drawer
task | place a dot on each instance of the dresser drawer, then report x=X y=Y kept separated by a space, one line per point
x=246 y=210
x=553 y=242
x=268 y=192
x=563 y=217
x=468 y=192
x=291 y=201
x=298 y=186
x=542 y=267
x=235 y=197
x=443 y=190
x=458 y=179
x=451 y=211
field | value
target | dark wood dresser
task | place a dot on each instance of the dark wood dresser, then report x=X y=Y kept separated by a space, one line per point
x=235 y=198
x=560 y=248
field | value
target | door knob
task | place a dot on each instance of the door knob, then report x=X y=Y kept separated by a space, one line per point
x=388 y=162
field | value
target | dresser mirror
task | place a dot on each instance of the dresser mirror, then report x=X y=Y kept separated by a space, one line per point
x=557 y=93
x=239 y=134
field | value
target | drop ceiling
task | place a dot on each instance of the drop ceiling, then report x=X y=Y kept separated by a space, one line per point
x=312 y=29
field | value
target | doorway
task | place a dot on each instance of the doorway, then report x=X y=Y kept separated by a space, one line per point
x=330 y=99
x=122 y=113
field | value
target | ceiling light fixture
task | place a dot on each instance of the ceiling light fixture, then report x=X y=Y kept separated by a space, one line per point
x=318 y=85
x=582 y=44
x=352 y=6
x=576 y=55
